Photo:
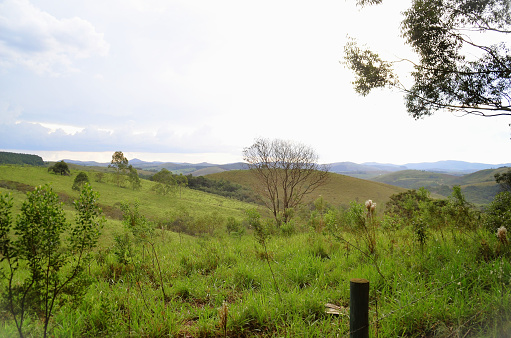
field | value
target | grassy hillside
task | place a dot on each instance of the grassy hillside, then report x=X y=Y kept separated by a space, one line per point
x=153 y=205
x=478 y=188
x=453 y=282
x=340 y=190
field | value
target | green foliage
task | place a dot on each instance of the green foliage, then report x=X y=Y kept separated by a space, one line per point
x=261 y=232
x=120 y=164
x=208 y=223
x=415 y=208
x=460 y=210
x=39 y=248
x=370 y=70
x=221 y=187
x=504 y=180
x=134 y=179
x=406 y=205
x=498 y=213
x=438 y=290
x=166 y=182
x=80 y=180
x=135 y=222
x=60 y=168
x=289 y=228
x=234 y=226
x=15 y=158
x=334 y=219
x=355 y=216
x=454 y=71
x=99 y=176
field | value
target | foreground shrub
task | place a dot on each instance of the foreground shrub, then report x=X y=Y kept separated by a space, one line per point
x=498 y=213
x=55 y=262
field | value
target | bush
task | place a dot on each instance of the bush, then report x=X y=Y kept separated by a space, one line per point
x=288 y=228
x=498 y=212
x=39 y=256
x=80 y=180
x=234 y=226
x=60 y=168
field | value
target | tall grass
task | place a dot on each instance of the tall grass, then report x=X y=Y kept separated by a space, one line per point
x=447 y=289
x=455 y=284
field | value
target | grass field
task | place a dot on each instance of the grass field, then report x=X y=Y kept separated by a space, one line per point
x=479 y=187
x=456 y=283
x=339 y=191
x=153 y=205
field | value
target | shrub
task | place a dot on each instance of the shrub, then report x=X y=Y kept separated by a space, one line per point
x=55 y=266
x=60 y=168
x=498 y=213
x=234 y=226
x=80 y=180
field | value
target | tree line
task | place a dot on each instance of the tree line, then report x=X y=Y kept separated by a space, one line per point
x=15 y=158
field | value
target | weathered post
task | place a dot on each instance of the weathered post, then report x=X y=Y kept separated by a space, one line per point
x=359 y=308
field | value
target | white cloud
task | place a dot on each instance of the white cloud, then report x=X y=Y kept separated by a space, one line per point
x=207 y=76
x=43 y=43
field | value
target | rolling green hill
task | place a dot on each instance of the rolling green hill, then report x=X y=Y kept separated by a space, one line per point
x=19 y=179
x=478 y=187
x=340 y=190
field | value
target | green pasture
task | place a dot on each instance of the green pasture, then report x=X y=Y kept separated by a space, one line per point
x=153 y=205
x=452 y=280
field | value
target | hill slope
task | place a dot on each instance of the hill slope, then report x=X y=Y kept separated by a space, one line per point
x=340 y=190
x=478 y=187
x=152 y=205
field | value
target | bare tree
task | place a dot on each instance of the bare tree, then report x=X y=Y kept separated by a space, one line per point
x=287 y=171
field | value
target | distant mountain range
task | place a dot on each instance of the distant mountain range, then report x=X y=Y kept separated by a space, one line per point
x=196 y=169
x=370 y=170
x=365 y=170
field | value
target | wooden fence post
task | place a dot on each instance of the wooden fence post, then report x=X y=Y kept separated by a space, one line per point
x=359 y=308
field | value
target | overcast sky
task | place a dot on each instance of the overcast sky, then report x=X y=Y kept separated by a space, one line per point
x=199 y=80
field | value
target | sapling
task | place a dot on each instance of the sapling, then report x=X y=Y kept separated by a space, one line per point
x=261 y=235
x=55 y=266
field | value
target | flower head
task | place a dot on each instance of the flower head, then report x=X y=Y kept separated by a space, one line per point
x=368 y=204
x=502 y=234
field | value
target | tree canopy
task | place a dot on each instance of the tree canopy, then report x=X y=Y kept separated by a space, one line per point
x=80 y=180
x=166 y=183
x=60 y=168
x=459 y=69
x=120 y=163
x=504 y=180
x=15 y=158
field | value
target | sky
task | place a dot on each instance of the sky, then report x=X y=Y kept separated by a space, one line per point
x=198 y=81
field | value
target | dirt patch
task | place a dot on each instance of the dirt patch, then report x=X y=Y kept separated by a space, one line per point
x=16 y=186
x=111 y=211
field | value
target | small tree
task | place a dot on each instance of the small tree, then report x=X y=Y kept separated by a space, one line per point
x=99 y=176
x=460 y=211
x=504 y=180
x=165 y=182
x=36 y=251
x=60 y=168
x=134 y=178
x=120 y=164
x=181 y=181
x=286 y=172
x=80 y=180
x=498 y=212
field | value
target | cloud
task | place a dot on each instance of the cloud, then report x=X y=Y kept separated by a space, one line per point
x=43 y=43
x=35 y=136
